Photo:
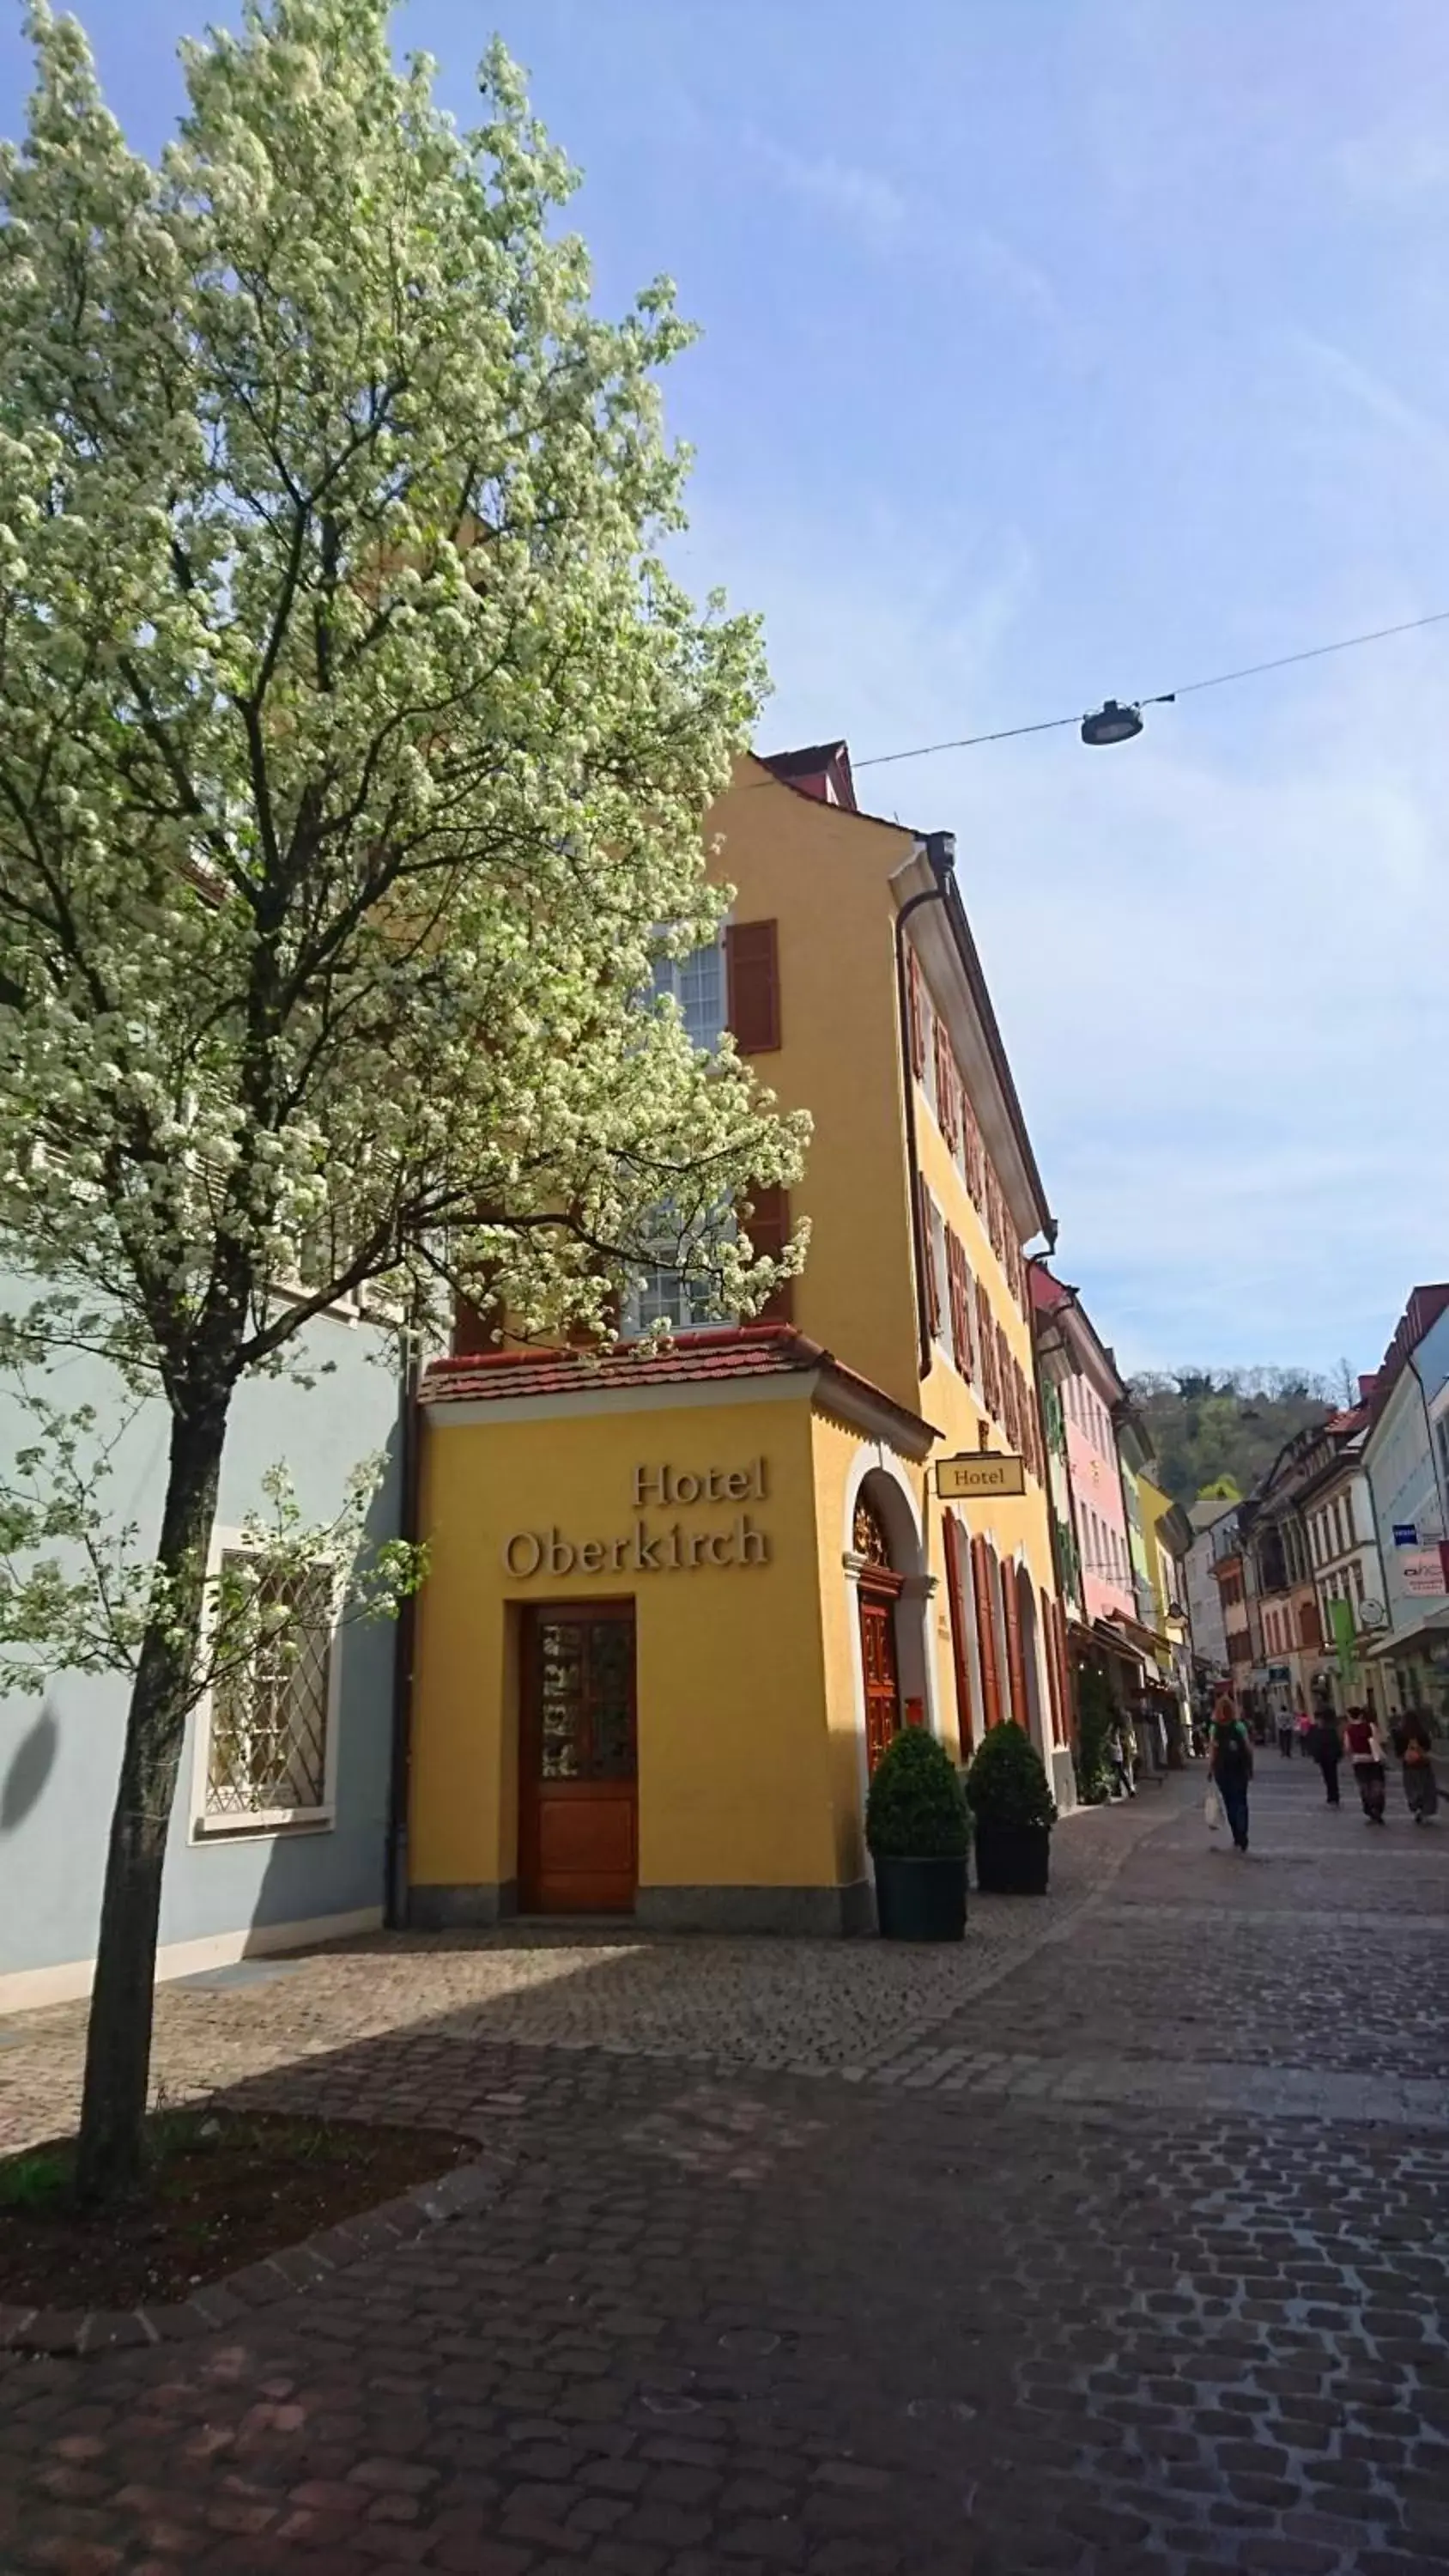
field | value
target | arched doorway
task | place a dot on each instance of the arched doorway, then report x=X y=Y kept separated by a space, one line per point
x=879 y=1589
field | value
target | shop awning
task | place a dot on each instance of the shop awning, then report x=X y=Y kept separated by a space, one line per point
x=1107 y=1632
x=1139 y=1640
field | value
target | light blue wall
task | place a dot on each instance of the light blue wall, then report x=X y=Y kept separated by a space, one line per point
x=60 y=1756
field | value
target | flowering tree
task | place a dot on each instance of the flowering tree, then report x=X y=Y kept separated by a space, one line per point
x=354 y=750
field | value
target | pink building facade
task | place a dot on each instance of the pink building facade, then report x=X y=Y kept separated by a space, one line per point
x=1089 y=1391
x=1097 y=1505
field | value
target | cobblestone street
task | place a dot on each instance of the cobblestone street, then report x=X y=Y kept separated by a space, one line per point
x=1115 y=2243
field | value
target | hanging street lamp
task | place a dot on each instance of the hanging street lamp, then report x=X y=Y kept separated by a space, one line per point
x=1111 y=723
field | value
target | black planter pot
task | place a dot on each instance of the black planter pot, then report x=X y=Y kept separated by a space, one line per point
x=920 y=1900
x=1012 y=1860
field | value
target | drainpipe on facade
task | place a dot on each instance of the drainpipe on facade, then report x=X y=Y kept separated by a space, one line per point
x=940 y=849
x=395 y=1889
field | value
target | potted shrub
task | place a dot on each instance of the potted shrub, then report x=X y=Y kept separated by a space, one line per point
x=918 y=1834
x=1014 y=1812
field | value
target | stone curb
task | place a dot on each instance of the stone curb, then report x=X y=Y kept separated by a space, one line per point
x=85 y=2333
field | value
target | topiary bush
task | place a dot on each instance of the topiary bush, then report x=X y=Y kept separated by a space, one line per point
x=914 y=1809
x=1007 y=1782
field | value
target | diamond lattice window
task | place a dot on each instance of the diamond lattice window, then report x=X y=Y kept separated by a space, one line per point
x=268 y=1749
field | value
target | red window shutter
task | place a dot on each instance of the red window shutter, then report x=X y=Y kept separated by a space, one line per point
x=945 y=1087
x=986 y=1347
x=1054 y=1679
x=752 y=965
x=928 y=1262
x=917 y=1007
x=960 y=1637
x=768 y=1227
x=1003 y=1376
x=975 y=1154
x=1010 y=1413
x=966 y=1356
x=953 y=1291
x=983 y=1587
x=472 y=1331
x=1015 y=1663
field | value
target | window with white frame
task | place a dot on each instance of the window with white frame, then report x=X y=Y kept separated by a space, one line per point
x=269 y=1723
x=663 y=1294
x=697 y=983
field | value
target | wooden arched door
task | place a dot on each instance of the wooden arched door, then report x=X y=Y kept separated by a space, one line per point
x=879 y=1591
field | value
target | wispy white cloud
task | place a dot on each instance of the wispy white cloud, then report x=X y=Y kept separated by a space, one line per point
x=846 y=192
x=1374 y=395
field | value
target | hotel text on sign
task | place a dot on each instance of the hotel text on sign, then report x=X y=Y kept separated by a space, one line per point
x=982 y=1471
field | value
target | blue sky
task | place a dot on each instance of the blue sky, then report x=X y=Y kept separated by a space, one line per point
x=1053 y=349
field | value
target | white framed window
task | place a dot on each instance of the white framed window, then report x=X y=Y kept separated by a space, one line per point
x=266 y=1732
x=663 y=1294
x=697 y=983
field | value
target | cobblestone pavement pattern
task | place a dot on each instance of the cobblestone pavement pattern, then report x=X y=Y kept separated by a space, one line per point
x=1115 y=2247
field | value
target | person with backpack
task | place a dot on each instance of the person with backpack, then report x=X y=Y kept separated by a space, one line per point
x=1413 y=1741
x=1230 y=1768
x=1367 y=1756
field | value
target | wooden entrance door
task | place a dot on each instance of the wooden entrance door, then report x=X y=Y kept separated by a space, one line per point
x=578 y=1794
x=882 y=1680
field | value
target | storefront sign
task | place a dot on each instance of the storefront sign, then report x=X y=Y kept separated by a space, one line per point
x=1406 y=1534
x=979 y=1471
x=1423 y=1573
x=645 y=1548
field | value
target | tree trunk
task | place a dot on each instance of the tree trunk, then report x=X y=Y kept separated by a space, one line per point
x=118 y=2040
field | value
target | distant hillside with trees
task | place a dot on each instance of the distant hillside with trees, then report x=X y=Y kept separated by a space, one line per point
x=1225 y=1427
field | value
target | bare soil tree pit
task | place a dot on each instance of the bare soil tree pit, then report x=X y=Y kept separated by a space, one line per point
x=220 y=2190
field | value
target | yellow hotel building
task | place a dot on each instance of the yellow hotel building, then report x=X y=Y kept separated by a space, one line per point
x=679 y=1599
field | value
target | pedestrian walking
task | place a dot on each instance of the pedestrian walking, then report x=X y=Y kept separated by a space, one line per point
x=1119 y=1754
x=1367 y=1756
x=1285 y=1735
x=1230 y=1767
x=1328 y=1752
x=1413 y=1741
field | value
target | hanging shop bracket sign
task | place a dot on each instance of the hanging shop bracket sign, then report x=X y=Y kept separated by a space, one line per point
x=978 y=1472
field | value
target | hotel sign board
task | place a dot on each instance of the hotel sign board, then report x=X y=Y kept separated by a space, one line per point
x=979 y=1472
